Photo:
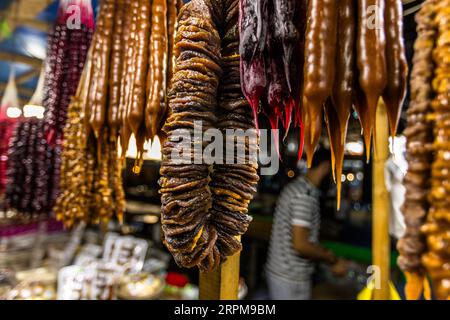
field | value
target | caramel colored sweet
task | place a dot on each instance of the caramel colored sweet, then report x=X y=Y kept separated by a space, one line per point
x=157 y=77
x=205 y=206
x=397 y=67
x=437 y=226
x=371 y=60
x=320 y=52
x=338 y=109
x=419 y=153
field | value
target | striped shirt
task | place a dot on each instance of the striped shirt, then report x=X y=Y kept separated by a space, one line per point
x=298 y=205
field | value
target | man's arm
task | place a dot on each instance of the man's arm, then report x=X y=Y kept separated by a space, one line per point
x=302 y=208
x=308 y=250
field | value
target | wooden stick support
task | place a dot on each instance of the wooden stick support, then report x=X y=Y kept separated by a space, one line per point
x=380 y=206
x=221 y=283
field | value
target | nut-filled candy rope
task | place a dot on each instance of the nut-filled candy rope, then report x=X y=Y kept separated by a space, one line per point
x=419 y=137
x=116 y=66
x=140 y=62
x=156 y=104
x=320 y=50
x=371 y=61
x=338 y=109
x=397 y=66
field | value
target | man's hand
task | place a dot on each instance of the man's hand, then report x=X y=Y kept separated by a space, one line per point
x=340 y=268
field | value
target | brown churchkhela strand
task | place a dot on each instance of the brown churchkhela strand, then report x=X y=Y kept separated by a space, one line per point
x=320 y=50
x=100 y=67
x=125 y=131
x=172 y=12
x=115 y=73
x=72 y=205
x=138 y=91
x=338 y=109
x=436 y=229
x=129 y=77
x=156 y=104
x=371 y=60
x=173 y=7
x=418 y=153
x=397 y=67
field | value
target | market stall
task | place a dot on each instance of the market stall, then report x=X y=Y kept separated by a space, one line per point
x=171 y=129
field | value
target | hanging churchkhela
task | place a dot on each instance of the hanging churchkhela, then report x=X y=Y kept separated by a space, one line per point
x=425 y=246
x=34 y=162
x=337 y=111
x=302 y=61
x=397 y=67
x=204 y=205
x=66 y=53
x=271 y=49
x=371 y=61
x=132 y=65
x=25 y=191
x=101 y=47
x=91 y=187
x=419 y=154
x=73 y=203
x=128 y=73
x=7 y=126
x=320 y=52
x=157 y=77
x=436 y=229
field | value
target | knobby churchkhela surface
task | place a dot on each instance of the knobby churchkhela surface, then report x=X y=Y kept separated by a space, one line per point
x=424 y=247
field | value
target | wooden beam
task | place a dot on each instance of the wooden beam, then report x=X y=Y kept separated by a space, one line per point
x=24 y=77
x=12 y=57
x=31 y=23
x=27 y=9
x=221 y=283
x=380 y=206
x=20 y=90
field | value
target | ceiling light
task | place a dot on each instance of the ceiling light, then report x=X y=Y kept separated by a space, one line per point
x=354 y=148
x=30 y=110
x=13 y=112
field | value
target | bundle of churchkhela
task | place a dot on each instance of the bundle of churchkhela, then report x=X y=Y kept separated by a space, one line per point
x=66 y=53
x=68 y=44
x=125 y=94
x=204 y=202
x=425 y=246
x=24 y=189
x=314 y=59
x=131 y=68
x=35 y=153
x=91 y=186
x=272 y=48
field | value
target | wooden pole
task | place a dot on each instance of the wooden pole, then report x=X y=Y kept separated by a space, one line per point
x=221 y=283
x=380 y=205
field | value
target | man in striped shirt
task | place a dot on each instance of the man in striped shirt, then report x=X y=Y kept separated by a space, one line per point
x=294 y=243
